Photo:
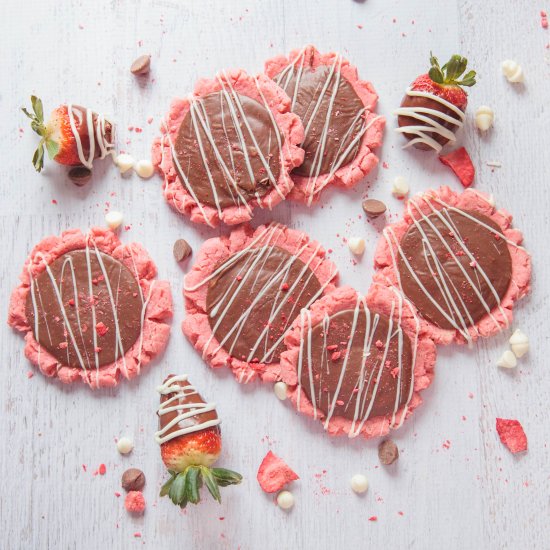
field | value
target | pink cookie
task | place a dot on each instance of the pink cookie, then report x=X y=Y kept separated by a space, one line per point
x=228 y=148
x=90 y=308
x=357 y=365
x=336 y=109
x=245 y=290
x=459 y=261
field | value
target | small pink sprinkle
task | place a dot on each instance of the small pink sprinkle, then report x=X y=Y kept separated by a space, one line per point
x=543 y=20
x=54 y=201
x=149 y=120
x=84 y=467
x=30 y=374
x=373 y=518
x=446 y=444
x=400 y=513
x=359 y=26
x=117 y=494
x=137 y=535
x=102 y=469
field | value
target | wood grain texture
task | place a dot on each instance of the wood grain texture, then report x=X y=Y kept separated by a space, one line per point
x=472 y=495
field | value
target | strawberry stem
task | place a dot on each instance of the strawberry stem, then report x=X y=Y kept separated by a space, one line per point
x=450 y=74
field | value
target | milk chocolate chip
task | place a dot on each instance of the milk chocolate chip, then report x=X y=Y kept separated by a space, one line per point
x=80 y=175
x=388 y=452
x=181 y=250
x=373 y=208
x=133 y=479
x=141 y=65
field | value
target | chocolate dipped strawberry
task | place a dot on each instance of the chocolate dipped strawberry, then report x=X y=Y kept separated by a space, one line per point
x=73 y=135
x=190 y=443
x=432 y=110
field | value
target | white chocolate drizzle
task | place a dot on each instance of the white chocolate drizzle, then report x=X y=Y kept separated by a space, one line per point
x=75 y=338
x=450 y=309
x=429 y=121
x=366 y=381
x=265 y=242
x=185 y=411
x=346 y=145
x=201 y=121
x=95 y=133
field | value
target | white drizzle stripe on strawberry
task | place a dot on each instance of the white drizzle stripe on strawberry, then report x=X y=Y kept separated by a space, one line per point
x=344 y=149
x=450 y=309
x=98 y=131
x=185 y=410
x=85 y=363
x=270 y=236
x=431 y=126
x=363 y=384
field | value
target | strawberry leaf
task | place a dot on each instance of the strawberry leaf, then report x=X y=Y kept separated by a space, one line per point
x=211 y=483
x=37 y=107
x=166 y=487
x=436 y=75
x=192 y=485
x=52 y=147
x=24 y=109
x=177 y=490
x=38 y=157
x=226 y=477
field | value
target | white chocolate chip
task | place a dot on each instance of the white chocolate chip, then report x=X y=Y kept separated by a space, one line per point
x=280 y=390
x=124 y=445
x=144 y=168
x=400 y=187
x=356 y=245
x=508 y=360
x=124 y=162
x=512 y=71
x=285 y=500
x=519 y=342
x=485 y=117
x=359 y=483
x=113 y=219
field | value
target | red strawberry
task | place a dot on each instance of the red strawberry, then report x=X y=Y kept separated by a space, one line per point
x=62 y=142
x=189 y=456
x=440 y=82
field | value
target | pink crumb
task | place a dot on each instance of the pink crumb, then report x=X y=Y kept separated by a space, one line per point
x=102 y=469
x=137 y=535
x=117 y=494
x=543 y=19
x=135 y=502
x=30 y=374
x=373 y=518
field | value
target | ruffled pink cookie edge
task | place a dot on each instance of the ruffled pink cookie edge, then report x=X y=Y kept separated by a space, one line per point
x=469 y=199
x=365 y=161
x=291 y=154
x=346 y=298
x=155 y=329
x=214 y=251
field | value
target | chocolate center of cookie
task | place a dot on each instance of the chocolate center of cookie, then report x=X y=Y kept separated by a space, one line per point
x=85 y=309
x=455 y=267
x=356 y=365
x=254 y=298
x=228 y=150
x=332 y=114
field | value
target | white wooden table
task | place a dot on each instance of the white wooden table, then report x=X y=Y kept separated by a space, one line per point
x=473 y=495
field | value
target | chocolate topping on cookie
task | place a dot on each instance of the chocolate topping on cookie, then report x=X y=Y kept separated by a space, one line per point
x=85 y=309
x=253 y=299
x=332 y=113
x=227 y=152
x=355 y=364
x=455 y=266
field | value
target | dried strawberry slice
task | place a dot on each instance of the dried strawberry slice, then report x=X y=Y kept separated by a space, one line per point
x=274 y=473
x=512 y=435
x=460 y=163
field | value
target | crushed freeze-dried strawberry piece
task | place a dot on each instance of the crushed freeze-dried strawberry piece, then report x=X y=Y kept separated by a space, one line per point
x=460 y=163
x=274 y=473
x=373 y=518
x=102 y=469
x=512 y=435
